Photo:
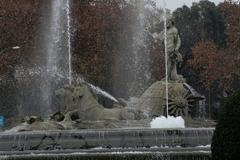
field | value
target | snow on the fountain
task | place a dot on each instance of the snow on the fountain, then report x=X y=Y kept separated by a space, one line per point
x=170 y=122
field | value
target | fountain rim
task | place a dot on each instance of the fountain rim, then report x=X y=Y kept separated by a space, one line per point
x=103 y=130
x=105 y=151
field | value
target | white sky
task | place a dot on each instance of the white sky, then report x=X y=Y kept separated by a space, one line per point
x=174 y=4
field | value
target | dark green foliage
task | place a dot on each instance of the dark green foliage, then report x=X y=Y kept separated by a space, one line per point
x=226 y=139
x=204 y=21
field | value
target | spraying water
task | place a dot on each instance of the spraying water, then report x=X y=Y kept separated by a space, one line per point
x=51 y=42
x=57 y=44
x=168 y=121
x=166 y=54
x=69 y=42
x=102 y=92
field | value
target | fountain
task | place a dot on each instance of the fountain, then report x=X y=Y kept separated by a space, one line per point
x=50 y=66
x=69 y=42
x=85 y=129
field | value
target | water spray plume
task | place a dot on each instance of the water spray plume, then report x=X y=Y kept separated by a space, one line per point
x=166 y=54
x=69 y=42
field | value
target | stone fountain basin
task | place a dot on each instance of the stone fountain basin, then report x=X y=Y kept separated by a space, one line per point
x=132 y=139
x=198 y=153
